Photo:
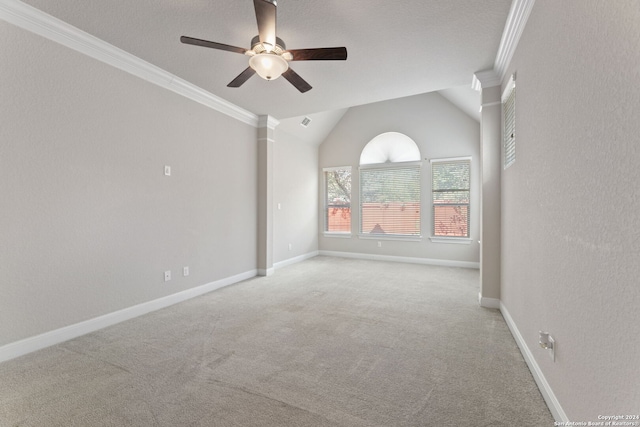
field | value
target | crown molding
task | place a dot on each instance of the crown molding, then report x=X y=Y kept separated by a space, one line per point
x=516 y=21
x=513 y=28
x=34 y=20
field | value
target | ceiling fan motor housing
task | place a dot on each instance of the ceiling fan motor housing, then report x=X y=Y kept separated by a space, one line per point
x=258 y=47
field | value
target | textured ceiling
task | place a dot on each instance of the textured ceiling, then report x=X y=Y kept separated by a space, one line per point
x=396 y=48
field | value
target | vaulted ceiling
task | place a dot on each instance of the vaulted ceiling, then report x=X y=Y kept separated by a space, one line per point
x=396 y=48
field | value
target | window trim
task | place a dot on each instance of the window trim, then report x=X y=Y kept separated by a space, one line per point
x=391 y=165
x=451 y=239
x=466 y=240
x=397 y=237
x=325 y=232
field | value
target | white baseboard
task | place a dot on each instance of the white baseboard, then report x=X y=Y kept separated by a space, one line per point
x=488 y=302
x=38 y=342
x=411 y=260
x=294 y=260
x=547 y=393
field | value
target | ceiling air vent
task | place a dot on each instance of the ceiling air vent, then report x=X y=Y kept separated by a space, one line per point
x=305 y=122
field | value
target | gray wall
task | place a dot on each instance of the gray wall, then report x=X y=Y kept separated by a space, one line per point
x=295 y=188
x=570 y=233
x=88 y=221
x=440 y=130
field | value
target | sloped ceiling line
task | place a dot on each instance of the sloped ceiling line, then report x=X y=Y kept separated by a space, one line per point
x=34 y=20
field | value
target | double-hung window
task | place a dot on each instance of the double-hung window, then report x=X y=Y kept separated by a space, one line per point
x=337 y=207
x=450 y=189
x=390 y=199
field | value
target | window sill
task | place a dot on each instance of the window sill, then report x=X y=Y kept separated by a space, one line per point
x=455 y=240
x=338 y=235
x=390 y=237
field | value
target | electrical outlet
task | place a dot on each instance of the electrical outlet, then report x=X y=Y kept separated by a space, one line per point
x=552 y=348
x=167 y=275
x=379 y=244
x=547 y=342
x=290 y=246
x=167 y=170
x=185 y=271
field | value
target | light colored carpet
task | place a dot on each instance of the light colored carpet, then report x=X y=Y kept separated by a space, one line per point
x=326 y=342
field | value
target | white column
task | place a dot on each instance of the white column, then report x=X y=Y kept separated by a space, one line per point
x=491 y=168
x=266 y=127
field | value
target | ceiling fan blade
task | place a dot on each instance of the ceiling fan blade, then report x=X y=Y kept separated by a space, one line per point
x=319 y=54
x=242 y=77
x=296 y=80
x=266 y=17
x=213 y=45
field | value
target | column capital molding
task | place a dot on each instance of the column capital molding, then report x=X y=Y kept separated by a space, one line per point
x=267 y=121
x=485 y=79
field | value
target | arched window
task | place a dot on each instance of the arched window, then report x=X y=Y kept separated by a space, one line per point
x=390 y=147
x=390 y=186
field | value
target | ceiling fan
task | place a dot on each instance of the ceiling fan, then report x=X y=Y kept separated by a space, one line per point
x=268 y=55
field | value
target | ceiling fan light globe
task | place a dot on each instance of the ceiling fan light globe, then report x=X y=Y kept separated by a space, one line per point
x=268 y=66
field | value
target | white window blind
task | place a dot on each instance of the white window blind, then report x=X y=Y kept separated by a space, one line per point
x=337 y=199
x=451 y=197
x=509 y=119
x=390 y=199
